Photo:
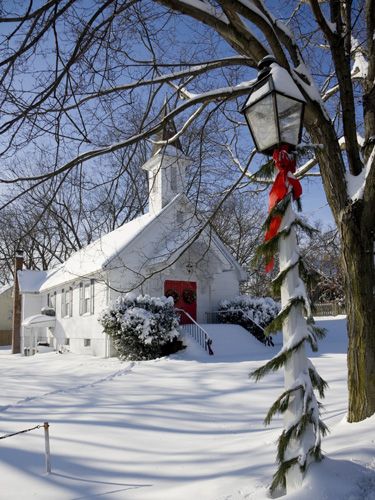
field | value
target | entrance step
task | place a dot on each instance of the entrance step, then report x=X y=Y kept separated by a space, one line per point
x=232 y=343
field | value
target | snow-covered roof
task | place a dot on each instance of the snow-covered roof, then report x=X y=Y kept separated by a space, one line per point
x=88 y=260
x=98 y=254
x=39 y=320
x=31 y=281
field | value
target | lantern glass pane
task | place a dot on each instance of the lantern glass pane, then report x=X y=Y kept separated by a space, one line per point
x=290 y=114
x=259 y=91
x=262 y=118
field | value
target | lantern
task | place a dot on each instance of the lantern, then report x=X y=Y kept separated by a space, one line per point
x=274 y=108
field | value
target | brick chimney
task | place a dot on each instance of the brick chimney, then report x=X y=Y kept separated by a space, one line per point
x=16 y=330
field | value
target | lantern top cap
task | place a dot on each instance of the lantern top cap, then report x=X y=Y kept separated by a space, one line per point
x=265 y=64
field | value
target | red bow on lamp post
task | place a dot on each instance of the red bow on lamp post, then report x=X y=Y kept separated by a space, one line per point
x=284 y=183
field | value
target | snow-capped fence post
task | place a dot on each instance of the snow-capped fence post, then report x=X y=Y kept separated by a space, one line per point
x=274 y=112
x=47 y=447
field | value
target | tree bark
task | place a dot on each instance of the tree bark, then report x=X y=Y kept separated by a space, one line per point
x=357 y=239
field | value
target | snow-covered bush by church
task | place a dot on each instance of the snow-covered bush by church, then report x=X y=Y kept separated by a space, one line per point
x=249 y=312
x=142 y=327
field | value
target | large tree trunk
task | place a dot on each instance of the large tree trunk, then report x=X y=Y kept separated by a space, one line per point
x=356 y=224
x=357 y=240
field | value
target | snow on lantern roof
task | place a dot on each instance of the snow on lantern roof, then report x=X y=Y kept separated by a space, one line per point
x=282 y=82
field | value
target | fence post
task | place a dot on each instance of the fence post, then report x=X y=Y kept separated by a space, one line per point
x=48 y=452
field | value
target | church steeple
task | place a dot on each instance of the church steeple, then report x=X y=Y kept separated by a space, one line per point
x=168 y=131
x=166 y=167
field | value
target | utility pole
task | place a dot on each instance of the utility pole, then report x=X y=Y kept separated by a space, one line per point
x=16 y=327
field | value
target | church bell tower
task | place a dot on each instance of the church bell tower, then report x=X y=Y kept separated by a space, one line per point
x=167 y=166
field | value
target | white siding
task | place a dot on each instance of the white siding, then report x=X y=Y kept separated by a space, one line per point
x=6 y=309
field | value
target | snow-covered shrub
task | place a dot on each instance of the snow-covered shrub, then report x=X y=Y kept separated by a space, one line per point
x=142 y=327
x=249 y=312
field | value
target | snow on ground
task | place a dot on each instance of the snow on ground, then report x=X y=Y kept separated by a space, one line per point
x=184 y=427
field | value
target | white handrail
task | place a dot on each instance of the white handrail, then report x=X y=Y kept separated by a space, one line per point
x=192 y=319
x=207 y=339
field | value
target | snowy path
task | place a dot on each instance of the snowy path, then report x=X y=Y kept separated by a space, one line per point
x=111 y=376
x=180 y=428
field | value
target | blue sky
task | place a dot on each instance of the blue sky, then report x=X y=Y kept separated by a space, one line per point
x=314 y=203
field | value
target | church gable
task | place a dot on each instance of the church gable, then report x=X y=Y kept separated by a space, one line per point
x=177 y=234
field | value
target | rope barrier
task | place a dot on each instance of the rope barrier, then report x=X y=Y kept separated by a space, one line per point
x=46 y=442
x=21 y=432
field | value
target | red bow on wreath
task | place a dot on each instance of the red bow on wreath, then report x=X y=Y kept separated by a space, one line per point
x=284 y=183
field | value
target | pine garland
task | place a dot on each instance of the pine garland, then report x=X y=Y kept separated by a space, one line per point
x=315 y=333
x=317 y=382
x=280 y=405
x=277 y=323
x=266 y=171
x=278 y=281
x=295 y=431
x=275 y=363
x=306 y=276
x=299 y=205
x=279 y=478
x=278 y=211
x=310 y=380
x=268 y=249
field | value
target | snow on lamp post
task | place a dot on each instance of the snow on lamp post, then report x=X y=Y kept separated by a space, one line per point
x=274 y=113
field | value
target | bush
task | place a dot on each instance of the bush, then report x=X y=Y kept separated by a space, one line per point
x=142 y=327
x=254 y=314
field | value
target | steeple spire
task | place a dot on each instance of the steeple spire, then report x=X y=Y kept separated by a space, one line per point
x=167 y=132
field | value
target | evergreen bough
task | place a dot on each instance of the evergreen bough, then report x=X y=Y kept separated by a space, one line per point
x=307 y=420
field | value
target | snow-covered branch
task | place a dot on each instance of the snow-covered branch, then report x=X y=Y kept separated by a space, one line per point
x=357 y=183
x=305 y=168
x=243 y=42
x=191 y=71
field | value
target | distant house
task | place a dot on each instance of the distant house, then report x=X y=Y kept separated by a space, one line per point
x=169 y=250
x=6 y=313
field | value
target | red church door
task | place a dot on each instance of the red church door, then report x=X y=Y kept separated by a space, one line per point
x=184 y=294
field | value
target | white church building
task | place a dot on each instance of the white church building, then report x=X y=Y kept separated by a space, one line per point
x=167 y=251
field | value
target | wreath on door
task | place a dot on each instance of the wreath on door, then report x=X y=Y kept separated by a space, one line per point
x=189 y=296
x=171 y=292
